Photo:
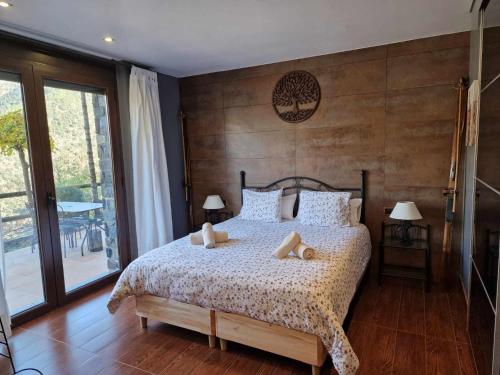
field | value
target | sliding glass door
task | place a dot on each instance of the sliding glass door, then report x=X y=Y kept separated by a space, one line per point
x=62 y=209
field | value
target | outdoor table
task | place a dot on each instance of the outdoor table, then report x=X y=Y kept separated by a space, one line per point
x=76 y=208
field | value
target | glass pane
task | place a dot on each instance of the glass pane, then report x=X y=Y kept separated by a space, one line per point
x=81 y=160
x=481 y=325
x=491 y=44
x=488 y=152
x=19 y=250
x=487 y=237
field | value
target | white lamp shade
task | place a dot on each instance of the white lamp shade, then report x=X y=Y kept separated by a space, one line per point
x=405 y=211
x=213 y=202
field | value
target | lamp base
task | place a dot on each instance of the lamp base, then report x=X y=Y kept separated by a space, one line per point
x=211 y=216
x=404 y=227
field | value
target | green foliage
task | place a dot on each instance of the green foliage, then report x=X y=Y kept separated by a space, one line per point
x=69 y=158
x=12 y=132
x=71 y=194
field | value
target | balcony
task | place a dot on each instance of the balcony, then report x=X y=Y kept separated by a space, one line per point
x=86 y=247
x=23 y=284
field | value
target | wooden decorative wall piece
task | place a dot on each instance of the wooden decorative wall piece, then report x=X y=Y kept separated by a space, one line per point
x=296 y=96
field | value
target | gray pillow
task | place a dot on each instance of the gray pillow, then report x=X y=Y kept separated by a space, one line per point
x=287 y=204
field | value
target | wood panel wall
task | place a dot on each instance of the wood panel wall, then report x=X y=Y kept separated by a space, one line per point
x=388 y=109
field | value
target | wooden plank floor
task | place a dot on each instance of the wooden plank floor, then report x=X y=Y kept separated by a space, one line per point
x=397 y=328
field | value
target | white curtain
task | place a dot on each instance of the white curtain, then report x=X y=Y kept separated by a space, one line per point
x=4 y=308
x=153 y=214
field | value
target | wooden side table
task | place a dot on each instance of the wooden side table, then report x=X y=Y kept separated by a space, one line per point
x=215 y=218
x=392 y=238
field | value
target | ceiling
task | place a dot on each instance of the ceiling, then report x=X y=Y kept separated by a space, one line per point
x=187 y=37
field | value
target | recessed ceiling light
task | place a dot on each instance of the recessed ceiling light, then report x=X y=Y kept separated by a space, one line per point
x=5 y=4
x=108 y=39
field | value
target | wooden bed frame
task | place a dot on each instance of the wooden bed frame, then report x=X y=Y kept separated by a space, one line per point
x=185 y=315
x=273 y=338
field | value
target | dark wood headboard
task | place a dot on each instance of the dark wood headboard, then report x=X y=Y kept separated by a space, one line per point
x=298 y=183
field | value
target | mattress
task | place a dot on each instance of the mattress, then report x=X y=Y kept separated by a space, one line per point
x=242 y=277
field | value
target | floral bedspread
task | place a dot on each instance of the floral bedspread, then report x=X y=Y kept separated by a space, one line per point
x=241 y=276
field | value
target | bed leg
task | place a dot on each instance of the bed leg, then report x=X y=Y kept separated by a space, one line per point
x=316 y=370
x=211 y=341
x=144 y=322
x=223 y=345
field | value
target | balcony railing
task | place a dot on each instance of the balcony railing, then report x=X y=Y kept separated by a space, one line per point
x=19 y=230
x=15 y=194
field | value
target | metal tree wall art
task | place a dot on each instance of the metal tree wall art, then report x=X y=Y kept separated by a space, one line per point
x=296 y=96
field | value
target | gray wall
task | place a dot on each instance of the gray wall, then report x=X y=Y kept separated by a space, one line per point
x=122 y=84
x=470 y=160
x=170 y=105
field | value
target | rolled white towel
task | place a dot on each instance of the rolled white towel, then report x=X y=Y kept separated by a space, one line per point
x=304 y=251
x=289 y=243
x=208 y=234
x=197 y=237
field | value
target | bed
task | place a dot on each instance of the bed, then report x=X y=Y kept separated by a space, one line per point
x=239 y=292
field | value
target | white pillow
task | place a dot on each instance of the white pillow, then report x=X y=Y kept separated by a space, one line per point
x=287 y=204
x=262 y=206
x=324 y=208
x=355 y=211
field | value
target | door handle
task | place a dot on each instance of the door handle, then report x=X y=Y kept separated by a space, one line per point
x=51 y=198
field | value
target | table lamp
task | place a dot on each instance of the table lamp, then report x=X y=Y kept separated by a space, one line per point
x=405 y=212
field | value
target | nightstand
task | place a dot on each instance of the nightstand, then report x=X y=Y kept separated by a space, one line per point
x=215 y=218
x=392 y=237
x=218 y=216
